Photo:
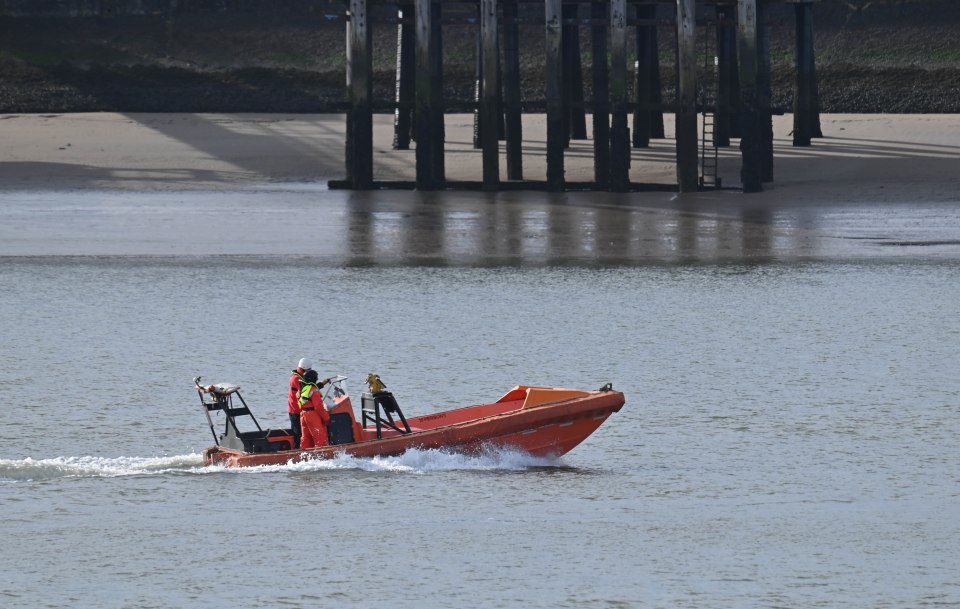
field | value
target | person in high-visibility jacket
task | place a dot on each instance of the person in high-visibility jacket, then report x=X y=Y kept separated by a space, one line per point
x=293 y=398
x=313 y=413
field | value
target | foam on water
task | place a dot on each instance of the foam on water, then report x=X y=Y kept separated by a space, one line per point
x=30 y=470
x=414 y=461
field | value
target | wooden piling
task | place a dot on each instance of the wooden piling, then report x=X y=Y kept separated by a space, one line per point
x=647 y=116
x=478 y=80
x=423 y=104
x=513 y=128
x=764 y=95
x=501 y=119
x=556 y=138
x=601 y=104
x=575 y=114
x=686 y=121
x=490 y=141
x=619 y=133
x=816 y=93
x=727 y=123
x=403 y=115
x=656 y=112
x=429 y=111
x=436 y=91
x=806 y=119
x=359 y=144
x=750 y=169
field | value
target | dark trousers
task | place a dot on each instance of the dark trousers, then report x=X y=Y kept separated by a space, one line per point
x=295 y=426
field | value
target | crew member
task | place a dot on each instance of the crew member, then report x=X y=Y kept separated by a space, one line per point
x=293 y=398
x=313 y=413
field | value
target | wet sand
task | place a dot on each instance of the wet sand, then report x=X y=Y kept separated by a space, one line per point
x=187 y=184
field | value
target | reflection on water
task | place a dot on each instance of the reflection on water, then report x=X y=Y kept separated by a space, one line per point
x=543 y=228
x=468 y=228
x=550 y=233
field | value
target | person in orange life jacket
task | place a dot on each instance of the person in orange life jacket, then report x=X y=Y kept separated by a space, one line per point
x=313 y=413
x=293 y=398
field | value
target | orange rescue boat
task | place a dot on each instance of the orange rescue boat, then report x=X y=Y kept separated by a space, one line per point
x=542 y=421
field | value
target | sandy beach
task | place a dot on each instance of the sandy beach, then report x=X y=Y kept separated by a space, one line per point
x=895 y=178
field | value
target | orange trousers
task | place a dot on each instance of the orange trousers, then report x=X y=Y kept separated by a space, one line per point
x=314 y=429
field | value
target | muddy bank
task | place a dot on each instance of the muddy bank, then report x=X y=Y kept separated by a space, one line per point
x=868 y=61
x=145 y=88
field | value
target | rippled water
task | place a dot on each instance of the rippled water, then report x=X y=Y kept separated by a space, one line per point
x=791 y=436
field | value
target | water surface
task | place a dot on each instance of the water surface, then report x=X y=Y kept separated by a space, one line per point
x=790 y=437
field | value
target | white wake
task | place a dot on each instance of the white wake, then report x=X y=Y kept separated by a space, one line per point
x=413 y=461
x=29 y=469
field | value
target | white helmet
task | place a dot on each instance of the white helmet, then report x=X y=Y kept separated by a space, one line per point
x=305 y=364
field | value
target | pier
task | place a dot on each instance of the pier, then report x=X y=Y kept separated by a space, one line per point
x=722 y=89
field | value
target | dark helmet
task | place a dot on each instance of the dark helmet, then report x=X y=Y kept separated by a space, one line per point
x=311 y=376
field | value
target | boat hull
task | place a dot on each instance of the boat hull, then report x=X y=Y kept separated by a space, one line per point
x=545 y=430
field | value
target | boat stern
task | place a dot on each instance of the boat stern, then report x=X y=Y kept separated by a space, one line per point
x=218 y=455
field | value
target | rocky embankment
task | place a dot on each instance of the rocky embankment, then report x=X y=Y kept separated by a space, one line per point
x=895 y=56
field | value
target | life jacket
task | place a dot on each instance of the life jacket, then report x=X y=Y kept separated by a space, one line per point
x=306 y=391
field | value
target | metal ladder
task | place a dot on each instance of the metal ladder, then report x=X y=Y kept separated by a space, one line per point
x=708 y=155
x=709 y=180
